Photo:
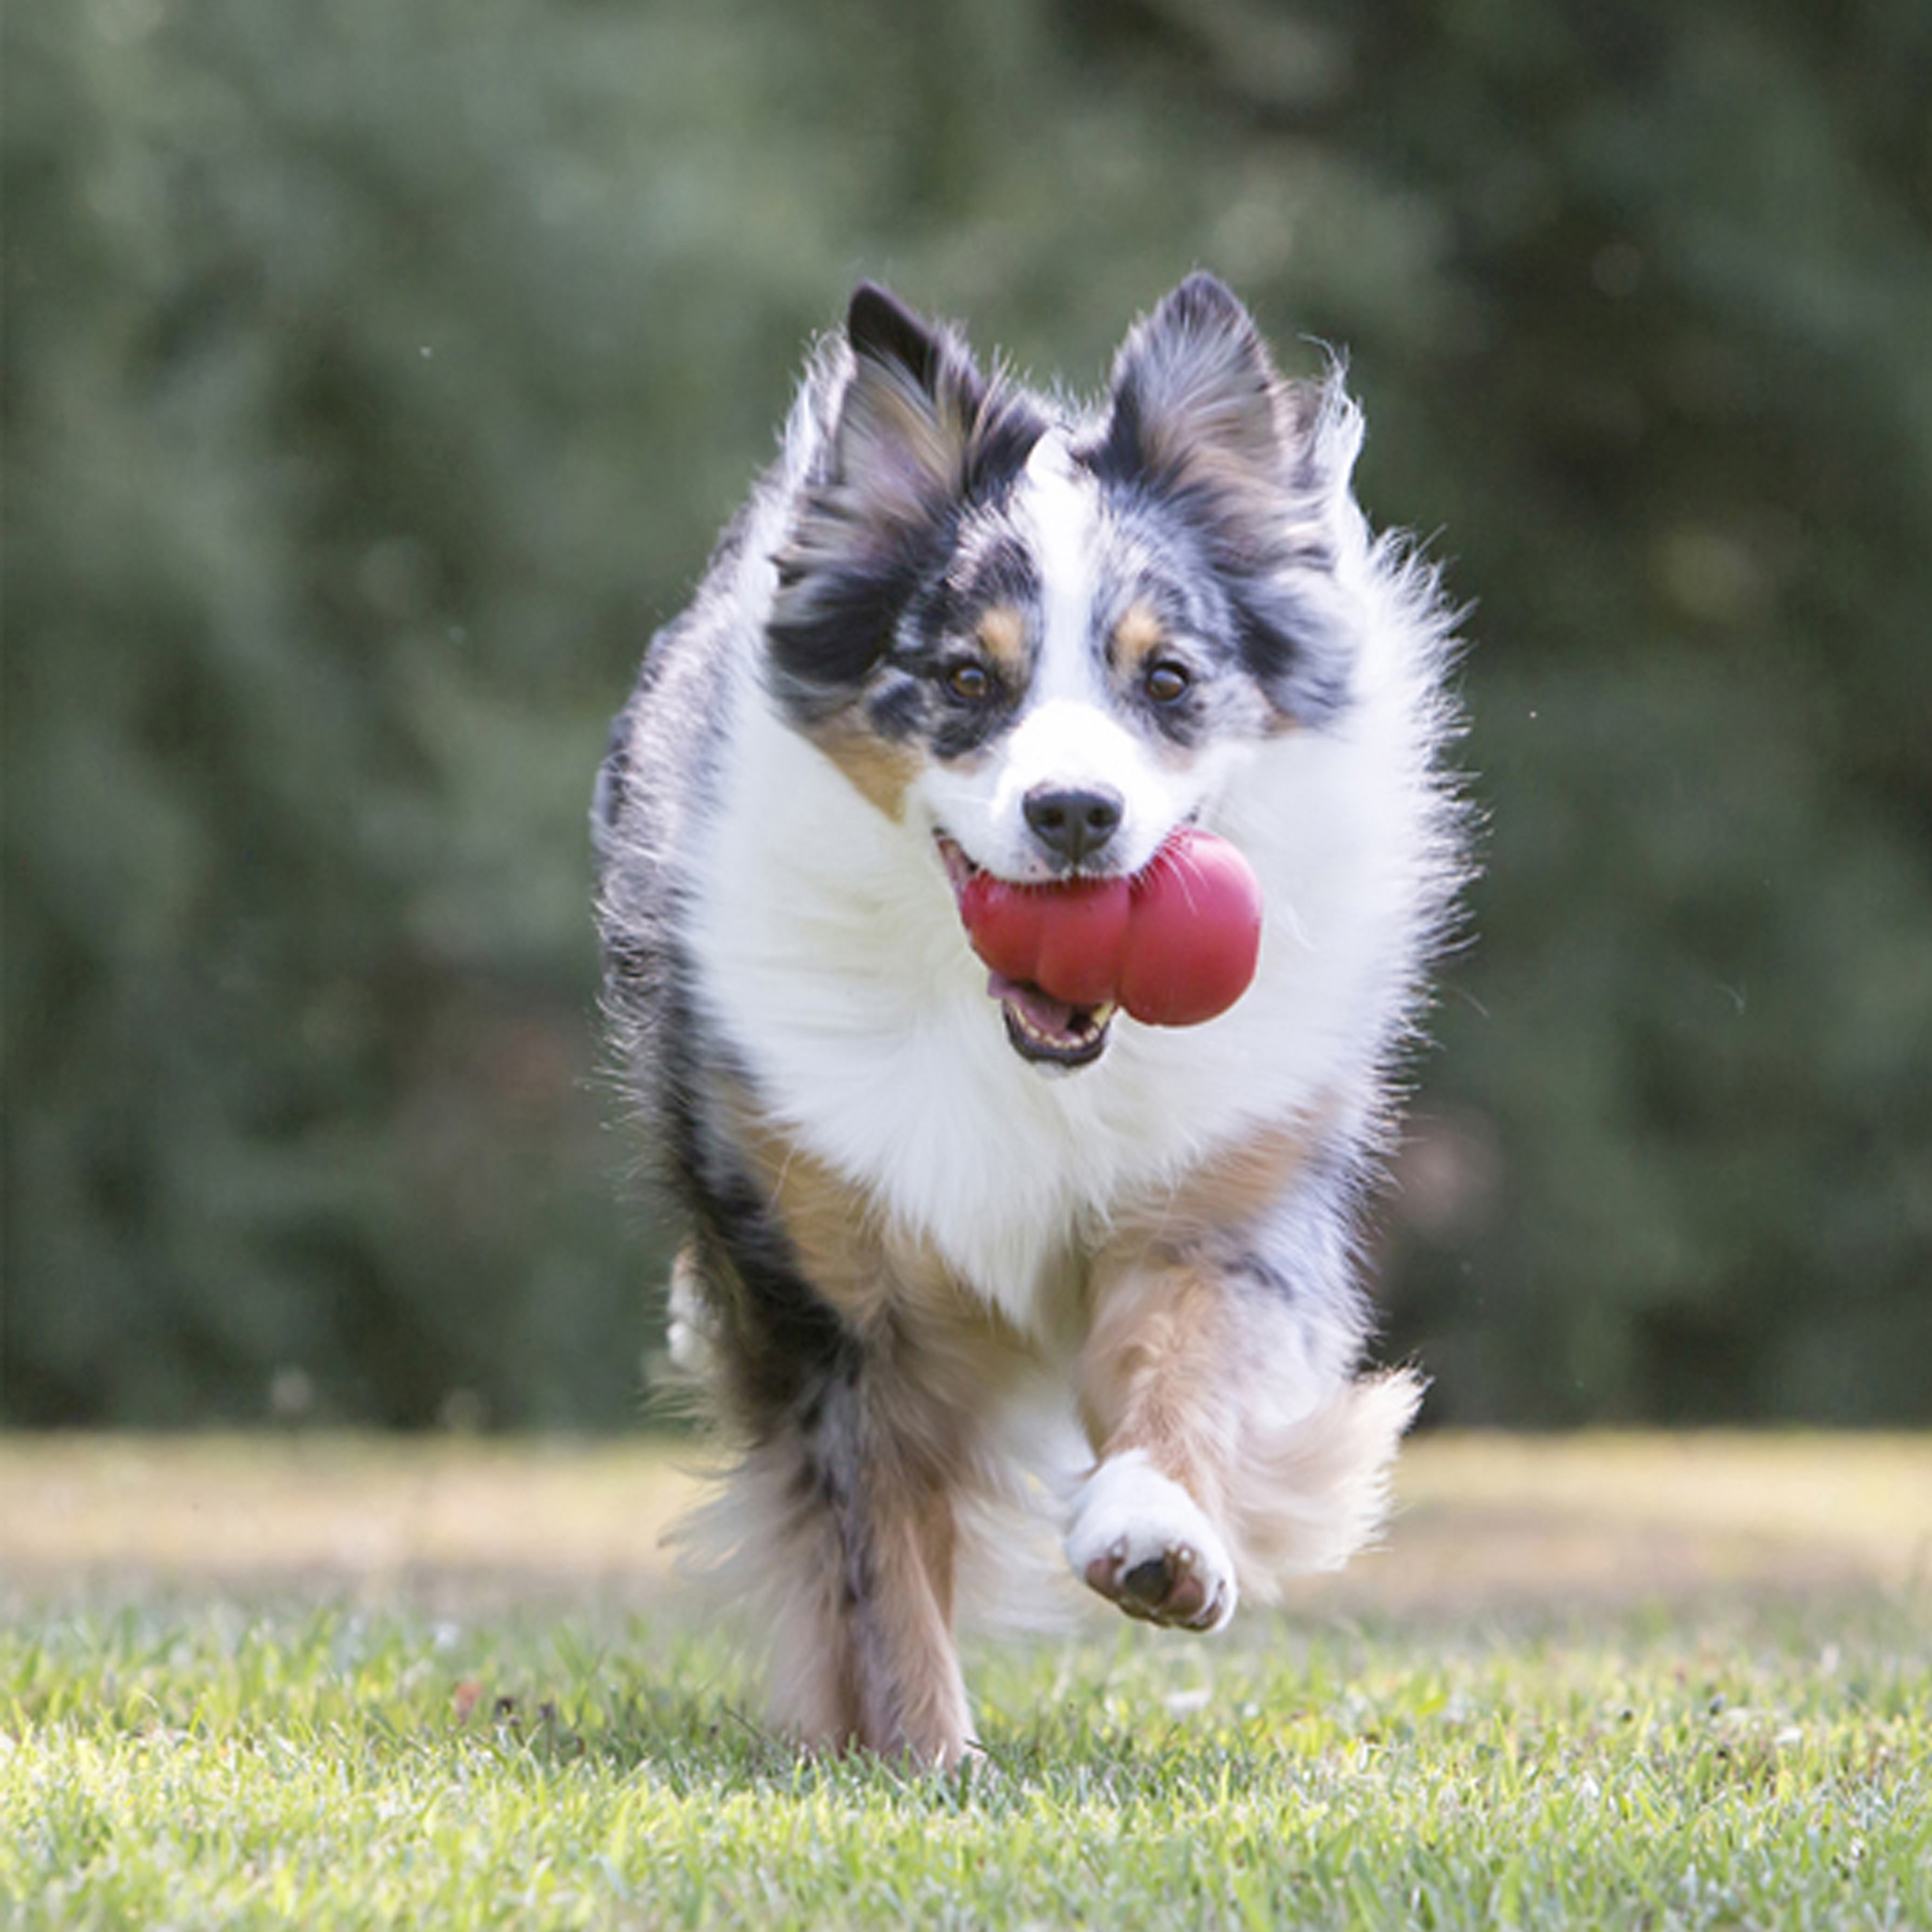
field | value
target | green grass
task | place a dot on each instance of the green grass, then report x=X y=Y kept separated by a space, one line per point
x=319 y=1769
x=1760 y=1759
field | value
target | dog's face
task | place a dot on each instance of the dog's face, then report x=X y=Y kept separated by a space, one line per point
x=1042 y=645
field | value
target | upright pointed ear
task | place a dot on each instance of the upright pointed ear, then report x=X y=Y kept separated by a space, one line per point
x=1254 y=465
x=917 y=436
x=907 y=419
x=1196 y=394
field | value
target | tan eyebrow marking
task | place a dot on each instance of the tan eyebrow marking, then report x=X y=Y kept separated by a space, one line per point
x=1138 y=635
x=1002 y=633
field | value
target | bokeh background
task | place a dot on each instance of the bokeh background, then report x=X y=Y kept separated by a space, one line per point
x=378 y=372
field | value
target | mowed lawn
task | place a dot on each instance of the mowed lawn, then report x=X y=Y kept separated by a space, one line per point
x=1609 y=1682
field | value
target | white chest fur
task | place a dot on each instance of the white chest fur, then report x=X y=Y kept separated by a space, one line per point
x=834 y=961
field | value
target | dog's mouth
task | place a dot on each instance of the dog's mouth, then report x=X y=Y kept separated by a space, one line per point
x=1042 y=1029
x=1047 y=1031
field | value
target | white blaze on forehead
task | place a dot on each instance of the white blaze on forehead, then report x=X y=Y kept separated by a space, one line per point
x=1060 y=507
x=1070 y=731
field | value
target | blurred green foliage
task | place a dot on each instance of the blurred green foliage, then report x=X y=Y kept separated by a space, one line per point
x=376 y=375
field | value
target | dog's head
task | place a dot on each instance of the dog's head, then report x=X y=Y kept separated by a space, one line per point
x=1046 y=642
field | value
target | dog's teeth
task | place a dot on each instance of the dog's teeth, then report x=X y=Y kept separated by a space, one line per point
x=1086 y=1028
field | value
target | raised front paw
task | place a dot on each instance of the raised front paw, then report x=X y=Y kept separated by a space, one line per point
x=1144 y=1542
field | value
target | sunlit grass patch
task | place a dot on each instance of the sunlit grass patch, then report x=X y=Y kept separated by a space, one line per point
x=325 y=1767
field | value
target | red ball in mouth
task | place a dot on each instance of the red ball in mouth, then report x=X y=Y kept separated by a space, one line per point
x=1175 y=945
x=1194 y=934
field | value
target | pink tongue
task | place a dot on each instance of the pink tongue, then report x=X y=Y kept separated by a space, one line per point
x=1044 y=1013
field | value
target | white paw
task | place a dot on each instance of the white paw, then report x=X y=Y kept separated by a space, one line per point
x=1143 y=1543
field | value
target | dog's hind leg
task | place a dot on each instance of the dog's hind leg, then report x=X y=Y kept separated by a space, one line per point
x=852 y=1528
x=838 y=1524
x=848 y=1365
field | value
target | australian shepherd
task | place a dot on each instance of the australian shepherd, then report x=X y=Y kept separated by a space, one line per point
x=955 y=1240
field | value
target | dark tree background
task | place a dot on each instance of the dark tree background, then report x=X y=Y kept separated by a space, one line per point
x=376 y=375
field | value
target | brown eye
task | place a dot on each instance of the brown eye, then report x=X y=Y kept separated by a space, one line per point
x=1166 y=682
x=972 y=682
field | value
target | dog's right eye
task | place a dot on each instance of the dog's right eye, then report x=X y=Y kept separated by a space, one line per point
x=972 y=682
x=1167 y=682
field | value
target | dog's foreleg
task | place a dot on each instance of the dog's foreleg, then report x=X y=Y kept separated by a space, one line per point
x=1234 y=1451
x=1154 y=1397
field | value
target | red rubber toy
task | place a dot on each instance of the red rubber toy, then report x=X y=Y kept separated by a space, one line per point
x=1174 y=945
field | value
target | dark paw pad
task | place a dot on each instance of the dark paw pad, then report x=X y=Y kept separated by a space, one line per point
x=1167 y=1589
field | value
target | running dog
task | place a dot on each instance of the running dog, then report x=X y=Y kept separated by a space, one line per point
x=958 y=1238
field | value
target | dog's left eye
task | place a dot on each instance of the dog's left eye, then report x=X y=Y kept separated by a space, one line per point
x=972 y=682
x=1166 y=681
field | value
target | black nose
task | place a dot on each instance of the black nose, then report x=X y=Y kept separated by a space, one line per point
x=1073 y=824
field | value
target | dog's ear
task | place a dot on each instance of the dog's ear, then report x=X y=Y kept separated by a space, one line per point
x=882 y=331
x=907 y=420
x=1195 y=390
x=1256 y=465
x=917 y=436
